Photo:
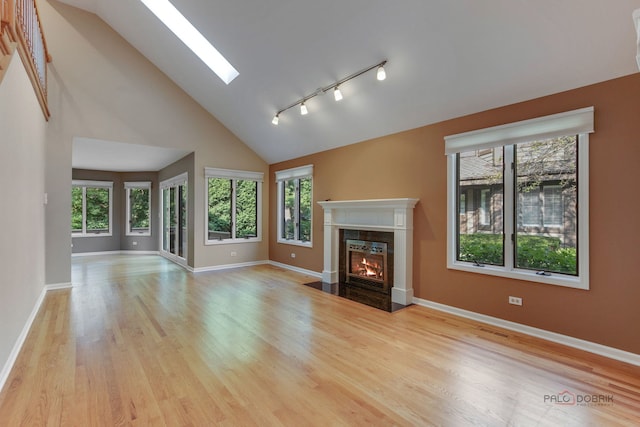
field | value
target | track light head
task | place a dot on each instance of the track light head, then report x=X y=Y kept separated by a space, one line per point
x=337 y=94
x=303 y=109
x=276 y=119
x=381 y=74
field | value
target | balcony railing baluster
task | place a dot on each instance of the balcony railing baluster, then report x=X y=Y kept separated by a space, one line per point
x=20 y=22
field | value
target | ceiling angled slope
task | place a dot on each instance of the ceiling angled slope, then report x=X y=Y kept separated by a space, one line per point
x=446 y=59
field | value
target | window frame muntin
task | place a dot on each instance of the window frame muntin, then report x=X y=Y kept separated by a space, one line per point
x=577 y=122
x=234 y=176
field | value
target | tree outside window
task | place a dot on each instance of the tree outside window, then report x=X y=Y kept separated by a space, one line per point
x=233 y=205
x=91 y=208
x=138 y=196
x=295 y=205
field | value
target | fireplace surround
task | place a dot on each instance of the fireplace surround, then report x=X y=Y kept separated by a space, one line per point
x=376 y=215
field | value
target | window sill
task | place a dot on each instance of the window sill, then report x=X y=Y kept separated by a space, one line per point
x=296 y=243
x=232 y=241
x=528 y=275
x=91 y=235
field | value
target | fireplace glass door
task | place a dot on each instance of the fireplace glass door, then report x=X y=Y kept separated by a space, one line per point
x=366 y=263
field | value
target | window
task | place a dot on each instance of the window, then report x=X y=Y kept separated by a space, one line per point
x=463 y=204
x=553 y=198
x=295 y=205
x=234 y=207
x=485 y=206
x=91 y=208
x=529 y=203
x=526 y=204
x=138 y=196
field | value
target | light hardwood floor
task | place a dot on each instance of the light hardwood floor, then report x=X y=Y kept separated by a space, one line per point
x=140 y=341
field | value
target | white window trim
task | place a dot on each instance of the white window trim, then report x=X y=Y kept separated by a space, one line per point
x=299 y=172
x=136 y=185
x=579 y=122
x=233 y=175
x=93 y=184
x=181 y=179
x=286 y=175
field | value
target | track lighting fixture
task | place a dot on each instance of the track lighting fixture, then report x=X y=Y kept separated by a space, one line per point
x=337 y=94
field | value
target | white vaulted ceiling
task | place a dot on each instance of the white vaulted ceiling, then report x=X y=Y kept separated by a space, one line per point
x=446 y=59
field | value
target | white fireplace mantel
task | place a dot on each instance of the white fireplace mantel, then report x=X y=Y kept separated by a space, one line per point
x=393 y=215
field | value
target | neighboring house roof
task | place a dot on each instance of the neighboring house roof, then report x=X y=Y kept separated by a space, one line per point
x=480 y=169
x=486 y=169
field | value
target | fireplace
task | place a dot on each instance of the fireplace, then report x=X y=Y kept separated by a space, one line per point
x=366 y=263
x=393 y=220
x=366 y=267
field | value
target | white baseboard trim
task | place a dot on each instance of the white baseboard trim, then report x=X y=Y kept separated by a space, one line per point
x=56 y=286
x=15 y=351
x=13 y=356
x=81 y=254
x=602 y=350
x=225 y=266
x=297 y=269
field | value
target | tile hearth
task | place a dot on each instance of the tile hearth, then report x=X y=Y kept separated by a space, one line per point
x=339 y=290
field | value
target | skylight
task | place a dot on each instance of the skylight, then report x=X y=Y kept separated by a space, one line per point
x=181 y=27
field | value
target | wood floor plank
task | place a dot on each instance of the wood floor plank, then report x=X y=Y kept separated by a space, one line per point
x=140 y=341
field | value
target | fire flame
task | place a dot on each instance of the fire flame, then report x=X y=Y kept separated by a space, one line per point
x=371 y=269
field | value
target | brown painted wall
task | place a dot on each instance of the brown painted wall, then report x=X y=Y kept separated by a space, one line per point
x=413 y=164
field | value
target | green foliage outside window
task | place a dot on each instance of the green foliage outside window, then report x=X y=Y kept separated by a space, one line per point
x=305 y=209
x=76 y=209
x=481 y=248
x=533 y=252
x=300 y=190
x=289 y=225
x=246 y=209
x=220 y=198
x=96 y=209
x=546 y=253
x=220 y=206
x=139 y=208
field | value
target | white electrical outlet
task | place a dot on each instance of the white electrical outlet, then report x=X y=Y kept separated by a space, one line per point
x=234 y=253
x=134 y=243
x=293 y=254
x=515 y=300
